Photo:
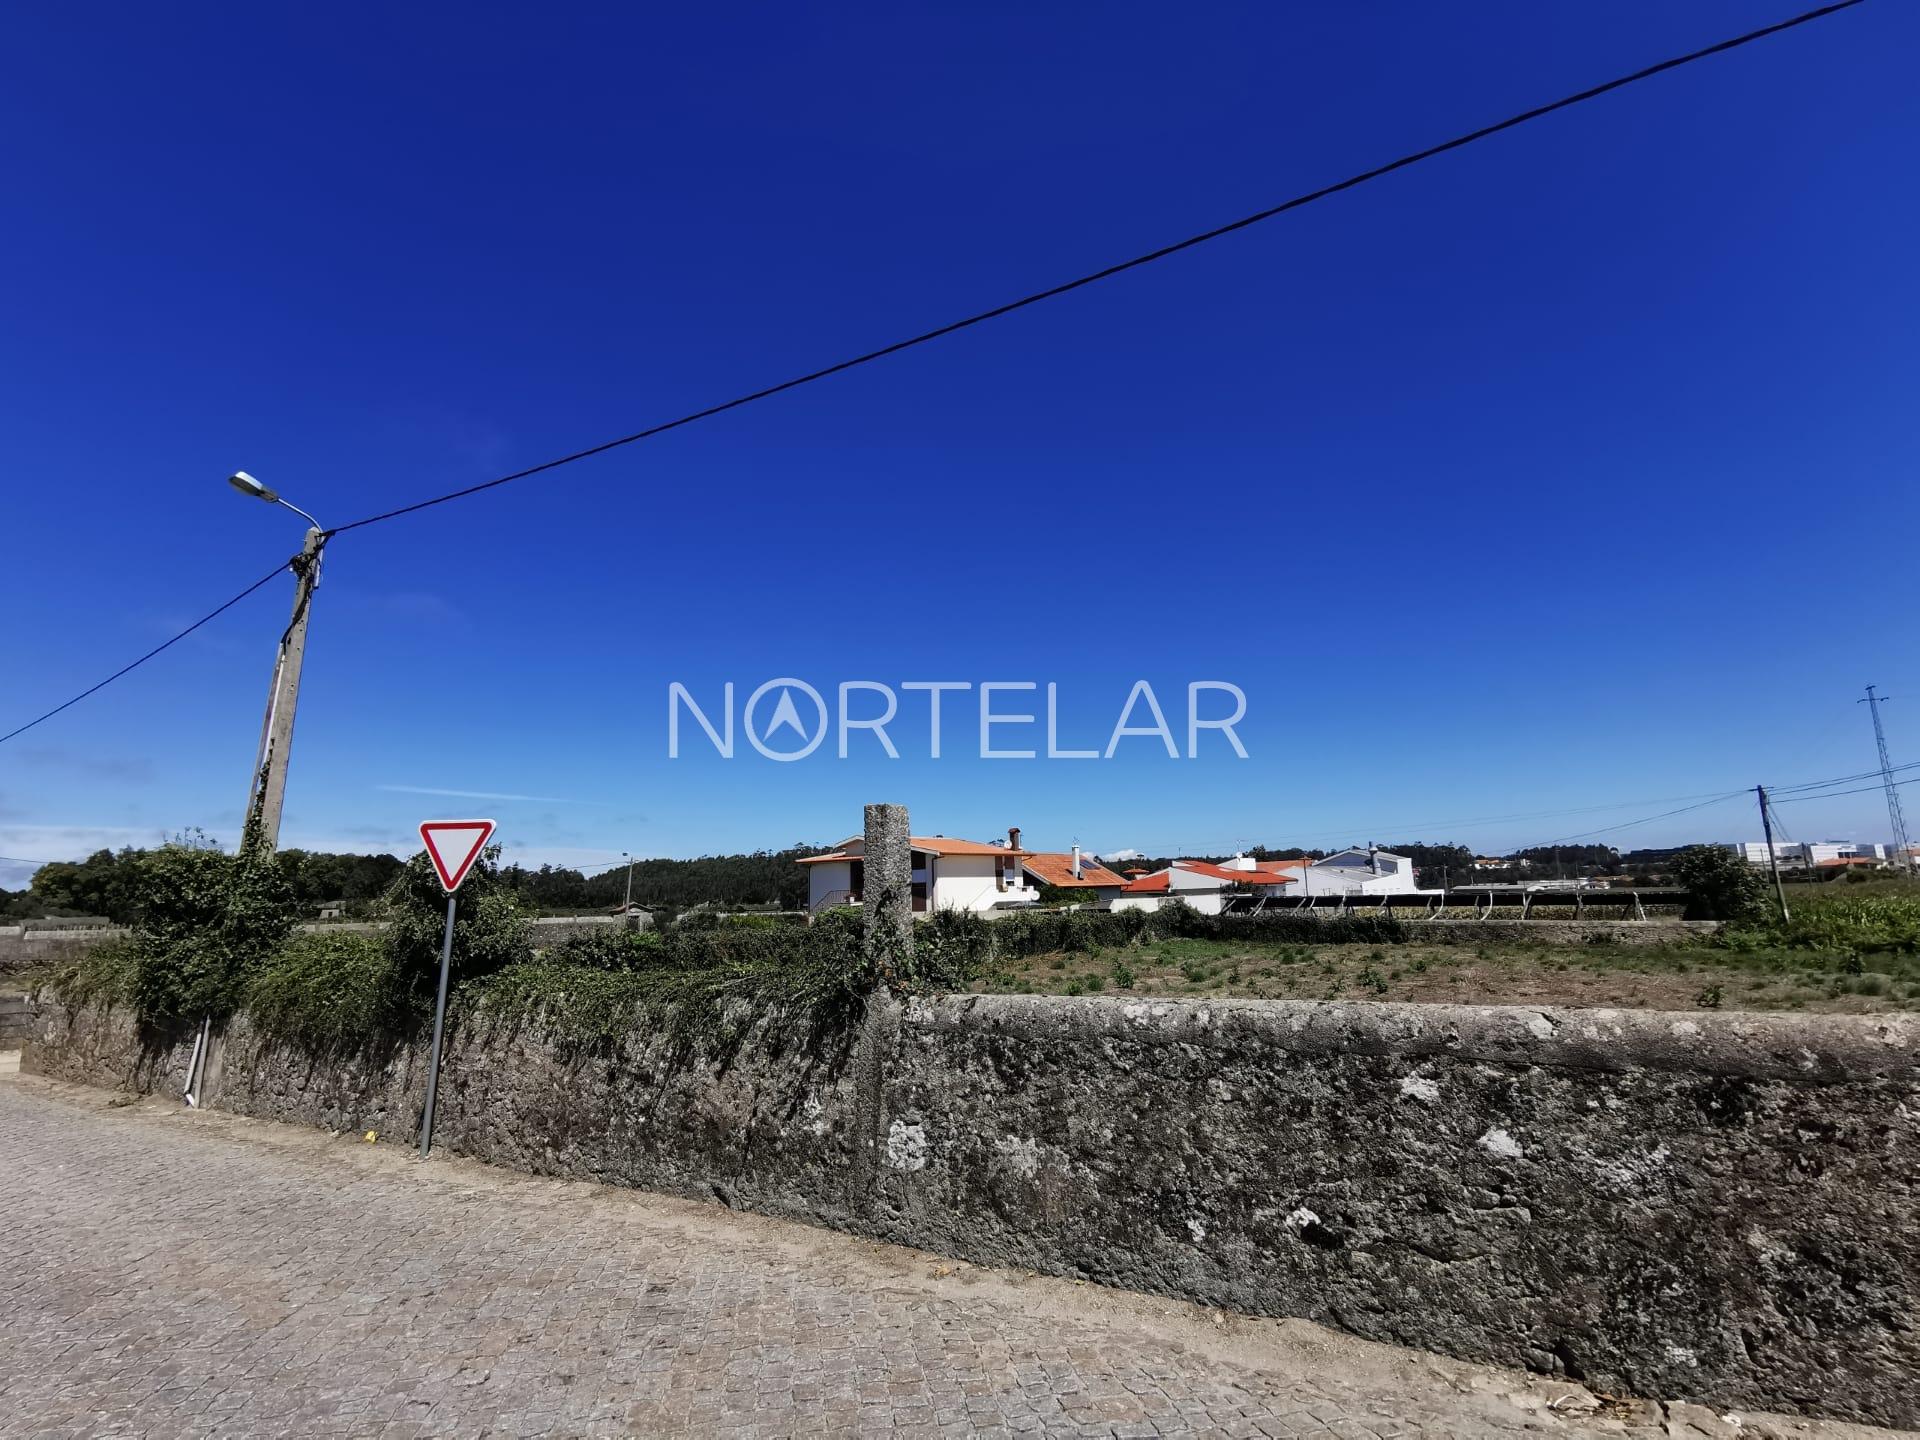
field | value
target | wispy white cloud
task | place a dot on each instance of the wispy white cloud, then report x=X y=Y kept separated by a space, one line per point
x=481 y=795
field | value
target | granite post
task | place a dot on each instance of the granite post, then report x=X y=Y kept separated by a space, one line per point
x=887 y=894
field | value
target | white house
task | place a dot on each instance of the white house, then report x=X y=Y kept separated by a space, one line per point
x=1203 y=885
x=1356 y=872
x=947 y=874
x=1345 y=872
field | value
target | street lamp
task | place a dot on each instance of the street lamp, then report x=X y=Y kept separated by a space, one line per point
x=268 y=786
x=267 y=790
x=247 y=485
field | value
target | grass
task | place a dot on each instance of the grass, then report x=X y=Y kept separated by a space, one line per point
x=1682 y=976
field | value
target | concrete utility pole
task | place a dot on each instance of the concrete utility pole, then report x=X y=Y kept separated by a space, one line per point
x=260 y=832
x=266 y=794
x=1773 y=863
x=1894 y=817
x=628 y=905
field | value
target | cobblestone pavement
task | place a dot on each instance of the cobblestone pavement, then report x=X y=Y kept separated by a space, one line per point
x=170 y=1273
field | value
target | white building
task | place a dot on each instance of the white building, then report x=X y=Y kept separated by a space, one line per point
x=947 y=874
x=1203 y=885
x=1817 y=852
x=1358 y=872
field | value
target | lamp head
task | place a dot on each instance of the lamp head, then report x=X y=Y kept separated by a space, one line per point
x=247 y=485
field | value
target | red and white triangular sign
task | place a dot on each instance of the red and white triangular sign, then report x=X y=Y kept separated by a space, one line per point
x=453 y=846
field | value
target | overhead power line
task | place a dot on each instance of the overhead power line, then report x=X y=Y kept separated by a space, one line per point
x=1108 y=272
x=1842 y=779
x=1643 y=820
x=136 y=664
x=1834 y=794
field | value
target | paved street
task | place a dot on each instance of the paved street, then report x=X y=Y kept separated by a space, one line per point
x=169 y=1273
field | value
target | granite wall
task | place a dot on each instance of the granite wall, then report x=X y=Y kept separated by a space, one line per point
x=1706 y=1206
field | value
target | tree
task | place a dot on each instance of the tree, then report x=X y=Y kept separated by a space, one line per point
x=105 y=883
x=1720 y=884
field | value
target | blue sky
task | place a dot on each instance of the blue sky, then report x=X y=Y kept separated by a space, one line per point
x=1574 y=469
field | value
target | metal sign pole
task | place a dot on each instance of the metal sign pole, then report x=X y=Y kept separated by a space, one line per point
x=439 y=1023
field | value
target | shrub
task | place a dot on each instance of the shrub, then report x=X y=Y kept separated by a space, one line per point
x=490 y=931
x=204 y=922
x=701 y=992
x=1839 y=924
x=327 y=990
x=103 y=975
x=1720 y=884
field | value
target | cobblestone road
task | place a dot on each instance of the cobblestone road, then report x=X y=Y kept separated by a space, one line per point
x=169 y=1273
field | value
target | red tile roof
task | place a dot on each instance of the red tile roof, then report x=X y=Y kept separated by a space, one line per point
x=1238 y=877
x=929 y=844
x=1051 y=869
x=1148 y=885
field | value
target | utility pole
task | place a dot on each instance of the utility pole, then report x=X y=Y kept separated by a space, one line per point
x=629 y=901
x=266 y=796
x=260 y=832
x=1894 y=817
x=1773 y=864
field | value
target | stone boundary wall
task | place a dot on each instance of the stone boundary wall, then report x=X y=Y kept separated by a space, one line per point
x=25 y=948
x=1709 y=1206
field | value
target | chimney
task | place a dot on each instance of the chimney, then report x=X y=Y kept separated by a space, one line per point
x=1013 y=838
x=1076 y=862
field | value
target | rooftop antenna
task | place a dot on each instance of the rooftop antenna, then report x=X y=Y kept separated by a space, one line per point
x=1898 y=821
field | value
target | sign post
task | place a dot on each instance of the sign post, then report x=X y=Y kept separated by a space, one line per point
x=452 y=846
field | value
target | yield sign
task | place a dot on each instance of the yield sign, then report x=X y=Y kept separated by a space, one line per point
x=453 y=846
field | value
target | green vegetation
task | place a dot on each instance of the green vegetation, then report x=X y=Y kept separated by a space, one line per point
x=214 y=932
x=1685 y=975
x=1844 y=949
x=1845 y=921
x=1721 y=885
x=109 y=883
x=204 y=922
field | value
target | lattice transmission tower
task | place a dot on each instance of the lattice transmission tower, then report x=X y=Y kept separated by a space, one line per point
x=1894 y=817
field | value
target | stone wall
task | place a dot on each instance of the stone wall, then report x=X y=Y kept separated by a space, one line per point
x=1706 y=1206
x=32 y=947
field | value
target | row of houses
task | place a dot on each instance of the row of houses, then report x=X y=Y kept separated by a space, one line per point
x=987 y=875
